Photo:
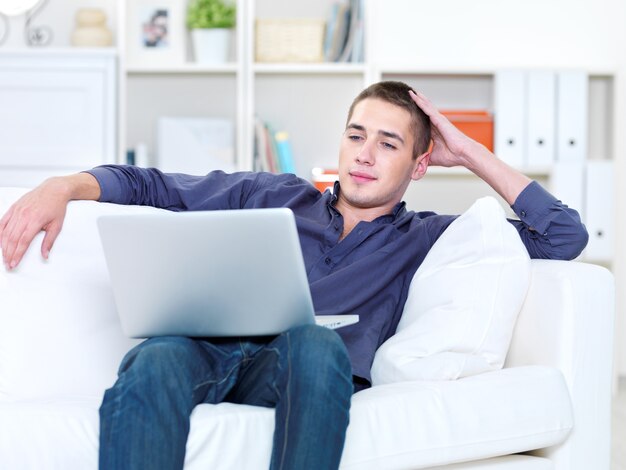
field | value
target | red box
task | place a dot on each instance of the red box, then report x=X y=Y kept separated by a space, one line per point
x=324 y=178
x=477 y=125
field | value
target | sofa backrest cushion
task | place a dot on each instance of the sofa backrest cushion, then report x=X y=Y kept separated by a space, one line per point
x=462 y=304
x=59 y=331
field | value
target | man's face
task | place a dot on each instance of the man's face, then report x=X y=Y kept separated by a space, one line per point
x=376 y=155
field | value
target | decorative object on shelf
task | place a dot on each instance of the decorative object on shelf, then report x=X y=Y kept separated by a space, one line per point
x=211 y=23
x=33 y=36
x=290 y=40
x=156 y=32
x=91 y=29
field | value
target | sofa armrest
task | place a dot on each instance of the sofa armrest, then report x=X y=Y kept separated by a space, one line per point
x=567 y=322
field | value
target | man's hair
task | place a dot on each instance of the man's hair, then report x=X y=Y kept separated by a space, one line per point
x=397 y=93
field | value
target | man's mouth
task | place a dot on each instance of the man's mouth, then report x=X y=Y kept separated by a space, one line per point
x=361 y=177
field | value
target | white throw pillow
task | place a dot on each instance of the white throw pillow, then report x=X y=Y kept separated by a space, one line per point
x=463 y=302
x=64 y=308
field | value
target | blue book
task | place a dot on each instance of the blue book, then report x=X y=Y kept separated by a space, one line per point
x=285 y=157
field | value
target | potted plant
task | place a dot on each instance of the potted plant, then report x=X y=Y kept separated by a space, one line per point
x=211 y=23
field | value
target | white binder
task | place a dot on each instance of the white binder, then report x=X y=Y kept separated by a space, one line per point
x=541 y=133
x=572 y=111
x=599 y=208
x=510 y=116
x=567 y=184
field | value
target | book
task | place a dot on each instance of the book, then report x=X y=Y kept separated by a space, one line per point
x=352 y=31
x=330 y=30
x=285 y=156
x=340 y=32
x=260 y=161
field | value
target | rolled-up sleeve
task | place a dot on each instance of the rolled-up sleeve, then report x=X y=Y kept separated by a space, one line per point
x=548 y=228
x=124 y=184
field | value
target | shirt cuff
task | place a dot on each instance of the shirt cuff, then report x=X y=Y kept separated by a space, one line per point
x=533 y=207
x=110 y=188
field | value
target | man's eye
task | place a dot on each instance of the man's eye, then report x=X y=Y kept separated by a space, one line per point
x=354 y=137
x=389 y=146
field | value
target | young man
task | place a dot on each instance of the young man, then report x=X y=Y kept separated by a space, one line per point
x=361 y=248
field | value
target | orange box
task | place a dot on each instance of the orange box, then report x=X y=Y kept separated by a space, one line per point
x=477 y=125
x=324 y=178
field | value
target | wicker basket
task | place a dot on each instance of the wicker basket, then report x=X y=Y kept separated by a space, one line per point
x=290 y=40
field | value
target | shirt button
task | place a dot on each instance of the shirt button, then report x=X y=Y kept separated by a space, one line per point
x=327 y=261
x=523 y=213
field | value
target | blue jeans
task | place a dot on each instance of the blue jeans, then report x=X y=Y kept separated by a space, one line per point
x=304 y=373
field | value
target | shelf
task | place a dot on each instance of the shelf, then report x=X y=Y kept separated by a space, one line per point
x=460 y=171
x=471 y=70
x=187 y=68
x=52 y=52
x=339 y=68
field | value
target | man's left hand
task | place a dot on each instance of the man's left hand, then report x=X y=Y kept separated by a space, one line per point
x=450 y=146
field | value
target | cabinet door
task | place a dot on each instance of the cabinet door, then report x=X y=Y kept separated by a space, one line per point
x=55 y=115
x=572 y=107
x=510 y=116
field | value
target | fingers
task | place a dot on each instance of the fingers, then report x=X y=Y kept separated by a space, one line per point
x=423 y=102
x=4 y=235
x=52 y=233
x=16 y=243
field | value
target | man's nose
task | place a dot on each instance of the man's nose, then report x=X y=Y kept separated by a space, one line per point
x=366 y=154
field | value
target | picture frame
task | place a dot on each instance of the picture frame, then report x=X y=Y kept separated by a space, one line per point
x=156 y=32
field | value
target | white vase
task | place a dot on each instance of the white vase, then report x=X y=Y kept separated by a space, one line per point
x=211 y=46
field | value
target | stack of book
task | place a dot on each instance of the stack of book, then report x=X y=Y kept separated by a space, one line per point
x=272 y=150
x=344 y=32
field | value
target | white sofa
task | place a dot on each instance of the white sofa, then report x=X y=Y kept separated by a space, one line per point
x=548 y=408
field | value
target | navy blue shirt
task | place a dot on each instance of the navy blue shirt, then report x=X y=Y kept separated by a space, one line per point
x=368 y=273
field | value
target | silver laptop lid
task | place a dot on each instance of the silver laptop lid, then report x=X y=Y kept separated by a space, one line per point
x=213 y=273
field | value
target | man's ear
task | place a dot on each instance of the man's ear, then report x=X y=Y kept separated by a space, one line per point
x=421 y=165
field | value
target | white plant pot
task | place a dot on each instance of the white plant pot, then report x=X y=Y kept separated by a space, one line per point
x=211 y=46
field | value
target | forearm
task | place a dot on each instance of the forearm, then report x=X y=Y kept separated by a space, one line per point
x=505 y=180
x=81 y=186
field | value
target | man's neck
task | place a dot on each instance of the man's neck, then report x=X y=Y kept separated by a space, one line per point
x=352 y=215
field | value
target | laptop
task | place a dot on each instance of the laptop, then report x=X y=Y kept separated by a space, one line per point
x=209 y=273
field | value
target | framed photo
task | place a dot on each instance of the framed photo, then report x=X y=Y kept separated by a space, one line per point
x=156 y=32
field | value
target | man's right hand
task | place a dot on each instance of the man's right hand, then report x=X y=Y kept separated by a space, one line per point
x=43 y=208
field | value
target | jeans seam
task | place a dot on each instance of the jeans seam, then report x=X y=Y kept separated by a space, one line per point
x=288 y=405
x=116 y=411
x=223 y=379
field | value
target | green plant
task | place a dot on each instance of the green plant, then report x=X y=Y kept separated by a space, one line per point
x=203 y=14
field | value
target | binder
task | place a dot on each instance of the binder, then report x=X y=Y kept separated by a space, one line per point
x=541 y=133
x=599 y=200
x=567 y=183
x=510 y=116
x=572 y=112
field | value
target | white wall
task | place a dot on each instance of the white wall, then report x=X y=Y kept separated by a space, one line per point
x=554 y=33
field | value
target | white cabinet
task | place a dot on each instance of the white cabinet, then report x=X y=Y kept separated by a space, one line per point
x=57 y=113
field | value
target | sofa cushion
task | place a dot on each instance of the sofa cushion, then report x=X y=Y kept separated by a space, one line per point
x=462 y=304
x=57 y=339
x=403 y=425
